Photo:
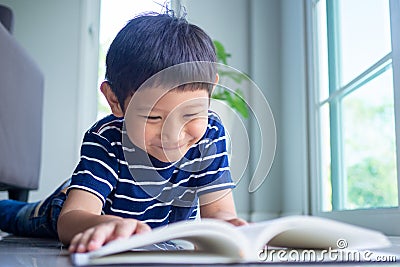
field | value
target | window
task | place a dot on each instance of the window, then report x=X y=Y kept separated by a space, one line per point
x=354 y=71
x=114 y=15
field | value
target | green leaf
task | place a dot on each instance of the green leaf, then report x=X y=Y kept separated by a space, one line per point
x=234 y=99
x=222 y=55
x=234 y=75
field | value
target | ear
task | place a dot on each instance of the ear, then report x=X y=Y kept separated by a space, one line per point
x=111 y=99
x=215 y=83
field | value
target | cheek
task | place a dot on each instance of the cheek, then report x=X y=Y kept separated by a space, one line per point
x=197 y=128
x=140 y=134
x=150 y=132
x=136 y=136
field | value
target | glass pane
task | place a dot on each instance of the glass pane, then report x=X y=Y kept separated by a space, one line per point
x=364 y=35
x=114 y=14
x=369 y=145
x=322 y=51
x=326 y=189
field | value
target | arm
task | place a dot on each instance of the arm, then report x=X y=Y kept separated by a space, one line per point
x=220 y=205
x=81 y=224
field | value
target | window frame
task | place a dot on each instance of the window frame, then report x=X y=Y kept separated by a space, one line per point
x=380 y=218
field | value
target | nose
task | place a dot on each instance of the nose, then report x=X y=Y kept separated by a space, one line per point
x=172 y=132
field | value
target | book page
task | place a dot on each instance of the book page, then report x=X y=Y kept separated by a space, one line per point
x=207 y=236
x=311 y=232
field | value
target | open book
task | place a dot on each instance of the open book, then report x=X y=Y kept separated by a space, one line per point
x=215 y=241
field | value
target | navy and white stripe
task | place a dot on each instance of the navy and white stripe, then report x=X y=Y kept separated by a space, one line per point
x=133 y=184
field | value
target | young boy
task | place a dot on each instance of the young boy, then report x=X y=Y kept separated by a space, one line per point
x=138 y=166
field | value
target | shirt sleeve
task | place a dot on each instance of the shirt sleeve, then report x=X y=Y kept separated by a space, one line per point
x=98 y=168
x=215 y=172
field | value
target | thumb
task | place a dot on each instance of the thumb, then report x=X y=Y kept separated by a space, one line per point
x=142 y=228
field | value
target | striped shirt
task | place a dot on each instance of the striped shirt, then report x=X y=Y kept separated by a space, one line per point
x=133 y=184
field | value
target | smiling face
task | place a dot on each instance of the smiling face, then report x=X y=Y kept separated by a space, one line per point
x=167 y=124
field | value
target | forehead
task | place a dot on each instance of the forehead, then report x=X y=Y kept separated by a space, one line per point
x=155 y=98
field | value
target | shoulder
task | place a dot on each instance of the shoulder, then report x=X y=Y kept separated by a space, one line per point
x=104 y=135
x=213 y=116
x=109 y=122
x=215 y=126
x=108 y=128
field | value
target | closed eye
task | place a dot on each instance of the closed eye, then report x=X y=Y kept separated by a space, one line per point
x=191 y=115
x=153 y=118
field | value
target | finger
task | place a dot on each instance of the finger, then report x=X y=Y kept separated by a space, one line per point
x=103 y=233
x=238 y=222
x=125 y=228
x=82 y=245
x=99 y=237
x=142 y=228
x=75 y=240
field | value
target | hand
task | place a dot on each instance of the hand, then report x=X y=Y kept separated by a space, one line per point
x=237 y=221
x=95 y=237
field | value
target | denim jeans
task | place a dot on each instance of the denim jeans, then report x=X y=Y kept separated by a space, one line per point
x=37 y=219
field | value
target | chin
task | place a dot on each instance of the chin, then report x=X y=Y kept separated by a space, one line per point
x=170 y=157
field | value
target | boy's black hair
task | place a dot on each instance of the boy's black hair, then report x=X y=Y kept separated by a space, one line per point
x=149 y=44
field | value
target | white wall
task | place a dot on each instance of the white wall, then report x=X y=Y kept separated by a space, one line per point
x=266 y=56
x=295 y=171
x=51 y=33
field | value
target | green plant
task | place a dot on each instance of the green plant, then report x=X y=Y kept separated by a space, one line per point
x=235 y=99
